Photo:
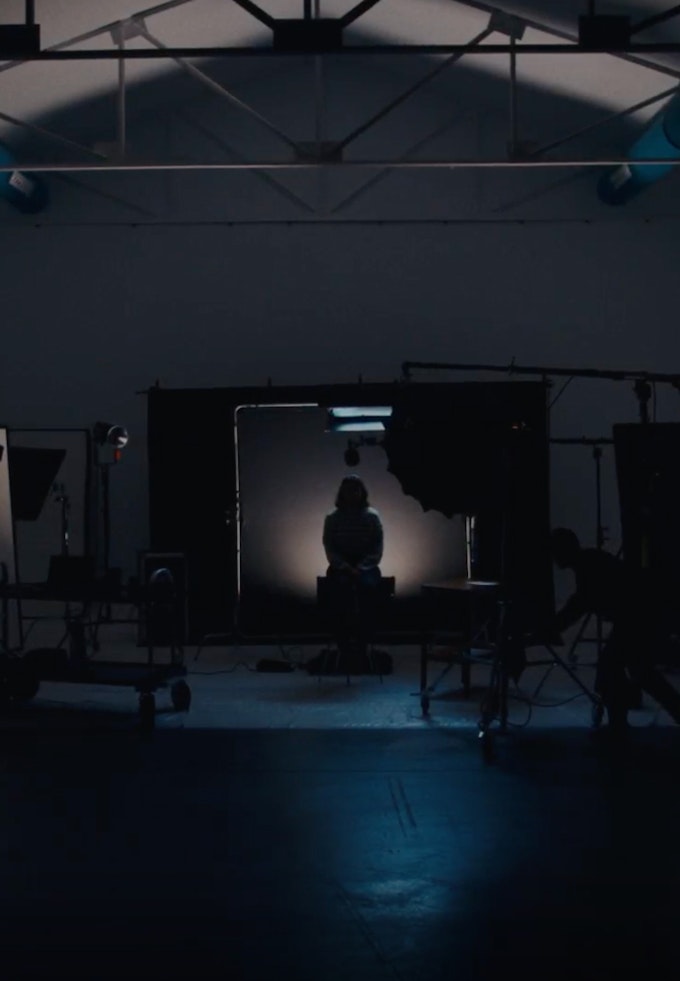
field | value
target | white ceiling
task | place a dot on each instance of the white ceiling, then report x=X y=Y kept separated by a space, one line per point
x=559 y=97
x=31 y=89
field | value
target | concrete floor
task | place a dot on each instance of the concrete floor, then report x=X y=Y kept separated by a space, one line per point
x=286 y=828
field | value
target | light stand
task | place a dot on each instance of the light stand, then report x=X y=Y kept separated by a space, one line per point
x=495 y=703
x=114 y=439
x=600 y=533
x=104 y=483
x=62 y=498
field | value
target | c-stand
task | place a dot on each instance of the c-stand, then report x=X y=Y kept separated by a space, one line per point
x=110 y=438
x=600 y=537
x=508 y=658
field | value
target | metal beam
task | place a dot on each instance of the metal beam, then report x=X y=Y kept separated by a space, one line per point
x=227 y=148
x=643 y=104
x=489 y=8
x=50 y=135
x=647 y=22
x=121 y=100
x=414 y=88
x=562 y=182
x=300 y=165
x=317 y=221
x=556 y=185
x=110 y=54
x=513 y=96
x=51 y=53
x=217 y=88
x=382 y=174
x=106 y=195
x=515 y=369
x=356 y=12
x=320 y=117
x=256 y=12
x=99 y=31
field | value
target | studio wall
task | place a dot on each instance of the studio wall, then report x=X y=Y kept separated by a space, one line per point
x=96 y=317
x=214 y=279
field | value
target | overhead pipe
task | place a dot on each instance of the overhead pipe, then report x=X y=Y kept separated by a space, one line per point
x=659 y=141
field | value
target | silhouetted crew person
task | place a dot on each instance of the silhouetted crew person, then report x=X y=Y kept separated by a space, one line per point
x=606 y=588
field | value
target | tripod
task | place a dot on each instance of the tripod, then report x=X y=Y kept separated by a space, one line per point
x=514 y=619
x=495 y=702
x=75 y=628
x=503 y=665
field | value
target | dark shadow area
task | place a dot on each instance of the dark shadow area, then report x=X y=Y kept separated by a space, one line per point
x=327 y=854
x=19 y=716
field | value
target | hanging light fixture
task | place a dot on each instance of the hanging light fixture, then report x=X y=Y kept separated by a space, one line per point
x=358 y=419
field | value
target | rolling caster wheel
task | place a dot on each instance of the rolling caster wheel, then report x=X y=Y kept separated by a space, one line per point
x=147 y=711
x=425 y=704
x=180 y=693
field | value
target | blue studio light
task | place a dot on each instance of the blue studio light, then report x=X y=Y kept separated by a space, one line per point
x=659 y=141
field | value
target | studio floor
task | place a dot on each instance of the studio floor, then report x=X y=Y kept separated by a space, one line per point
x=287 y=827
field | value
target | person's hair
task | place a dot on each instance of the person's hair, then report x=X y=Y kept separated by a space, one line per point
x=564 y=543
x=351 y=481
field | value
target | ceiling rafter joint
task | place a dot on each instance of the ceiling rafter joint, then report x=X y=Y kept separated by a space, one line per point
x=128 y=30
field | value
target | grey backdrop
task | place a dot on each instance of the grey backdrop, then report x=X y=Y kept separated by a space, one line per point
x=290 y=468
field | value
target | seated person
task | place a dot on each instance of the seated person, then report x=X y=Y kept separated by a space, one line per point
x=606 y=587
x=353 y=542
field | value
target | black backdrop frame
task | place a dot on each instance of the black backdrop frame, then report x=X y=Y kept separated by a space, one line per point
x=193 y=507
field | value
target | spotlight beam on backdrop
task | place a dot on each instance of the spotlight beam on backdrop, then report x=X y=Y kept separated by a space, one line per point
x=278 y=532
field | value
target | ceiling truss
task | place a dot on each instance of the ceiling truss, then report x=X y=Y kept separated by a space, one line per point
x=320 y=153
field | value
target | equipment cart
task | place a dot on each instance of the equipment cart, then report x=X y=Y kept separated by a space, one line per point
x=74 y=661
